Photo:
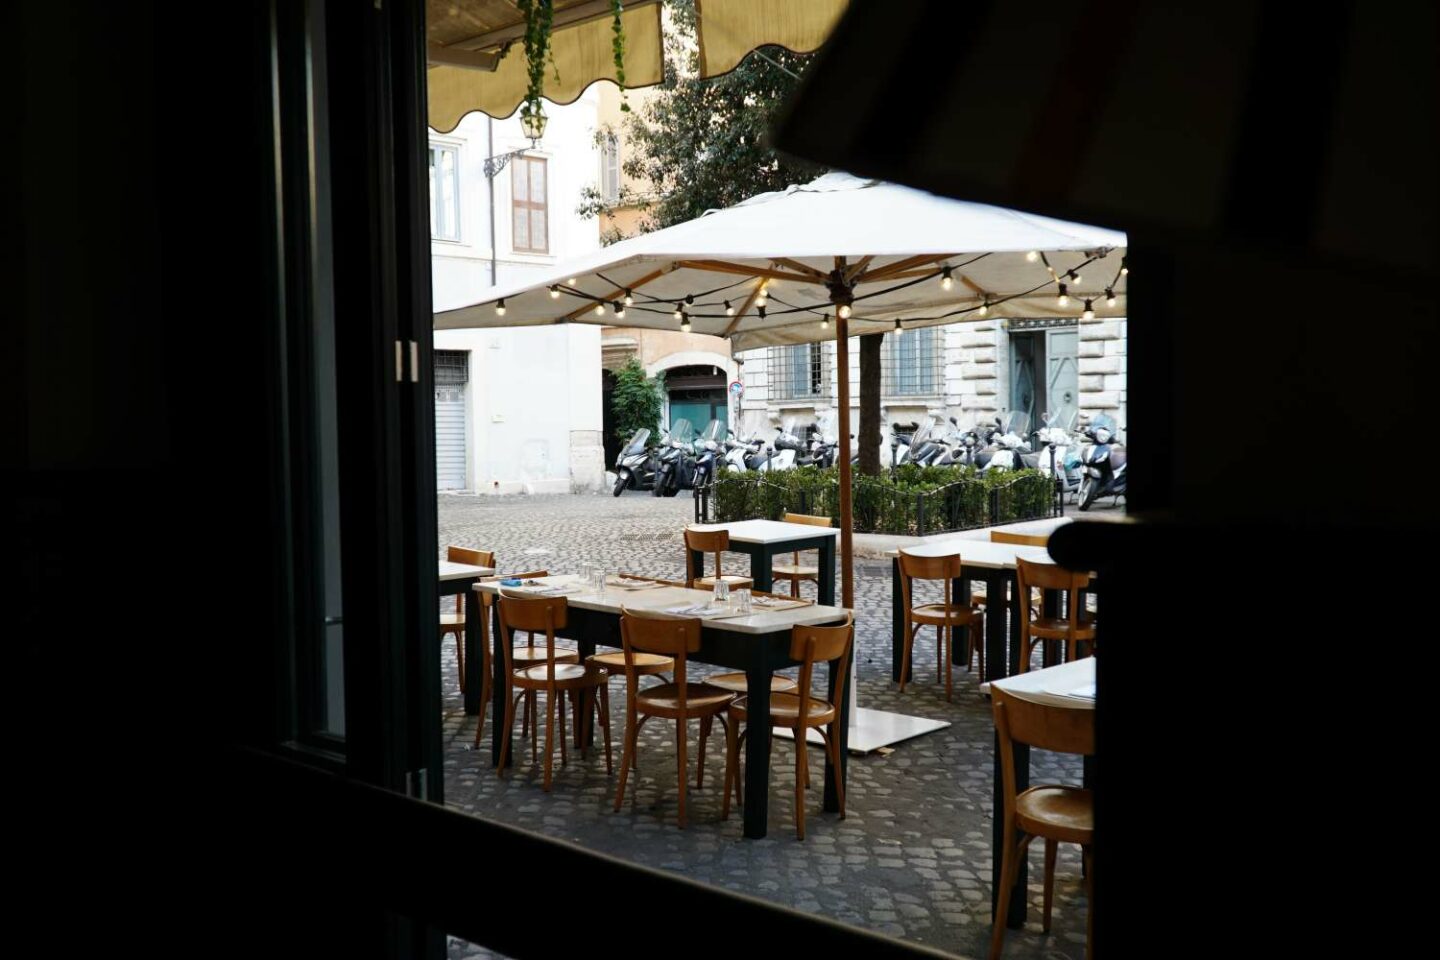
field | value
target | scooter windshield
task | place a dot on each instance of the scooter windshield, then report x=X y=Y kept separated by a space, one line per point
x=922 y=432
x=828 y=427
x=712 y=431
x=1105 y=422
x=637 y=443
x=1016 y=422
x=681 y=431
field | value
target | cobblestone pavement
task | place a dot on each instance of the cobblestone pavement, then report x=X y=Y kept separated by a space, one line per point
x=912 y=858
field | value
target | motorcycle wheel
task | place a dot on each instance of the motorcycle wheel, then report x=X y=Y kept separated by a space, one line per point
x=658 y=488
x=673 y=487
x=1089 y=490
x=621 y=482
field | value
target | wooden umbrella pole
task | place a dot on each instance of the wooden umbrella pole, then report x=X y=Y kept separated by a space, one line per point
x=847 y=551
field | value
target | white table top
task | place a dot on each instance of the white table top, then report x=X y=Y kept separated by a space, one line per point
x=979 y=553
x=1054 y=685
x=658 y=598
x=459 y=571
x=768 y=531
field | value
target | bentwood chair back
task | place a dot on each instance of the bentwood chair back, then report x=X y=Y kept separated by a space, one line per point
x=643 y=631
x=1022 y=539
x=795 y=571
x=944 y=616
x=709 y=541
x=554 y=677
x=455 y=622
x=1058 y=813
x=1075 y=628
x=798 y=711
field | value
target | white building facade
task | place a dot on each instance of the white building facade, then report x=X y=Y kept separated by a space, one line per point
x=972 y=371
x=518 y=410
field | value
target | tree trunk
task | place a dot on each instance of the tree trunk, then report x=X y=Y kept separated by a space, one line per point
x=871 y=429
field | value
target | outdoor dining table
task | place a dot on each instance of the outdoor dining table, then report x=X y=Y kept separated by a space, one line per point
x=456 y=579
x=1072 y=686
x=992 y=563
x=764 y=540
x=758 y=643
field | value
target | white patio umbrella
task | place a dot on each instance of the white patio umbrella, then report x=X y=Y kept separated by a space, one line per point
x=833 y=258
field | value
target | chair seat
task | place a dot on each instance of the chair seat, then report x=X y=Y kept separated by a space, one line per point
x=452 y=620
x=795 y=570
x=1058 y=628
x=737 y=683
x=736 y=582
x=1054 y=810
x=565 y=673
x=938 y=613
x=785 y=709
x=699 y=699
x=645 y=663
x=527 y=655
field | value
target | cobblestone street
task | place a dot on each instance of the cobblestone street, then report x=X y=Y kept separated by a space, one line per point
x=912 y=859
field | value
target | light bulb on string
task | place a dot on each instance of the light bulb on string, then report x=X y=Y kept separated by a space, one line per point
x=619 y=310
x=945 y=281
x=629 y=300
x=1124 y=270
x=1073 y=277
x=761 y=312
x=1063 y=298
x=824 y=321
x=685 y=323
x=729 y=310
x=573 y=281
x=1089 y=313
x=500 y=307
x=554 y=292
x=678 y=313
x=1109 y=297
x=984 y=308
x=844 y=311
x=898 y=329
x=599 y=309
x=760 y=300
x=1032 y=256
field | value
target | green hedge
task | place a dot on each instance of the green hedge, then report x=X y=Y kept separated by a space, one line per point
x=915 y=501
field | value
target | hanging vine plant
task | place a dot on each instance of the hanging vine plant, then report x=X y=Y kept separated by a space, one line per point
x=539 y=19
x=617 y=43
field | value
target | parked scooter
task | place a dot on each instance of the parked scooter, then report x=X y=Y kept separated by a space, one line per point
x=1060 y=459
x=707 y=452
x=635 y=465
x=743 y=454
x=787 y=446
x=1104 y=462
x=825 y=447
x=677 y=460
x=1009 y=443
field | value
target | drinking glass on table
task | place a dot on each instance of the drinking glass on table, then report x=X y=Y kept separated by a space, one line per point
x=742 y=600
x=722 y=591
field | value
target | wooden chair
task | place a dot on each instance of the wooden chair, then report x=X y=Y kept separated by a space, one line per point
x=738 y=681
x=455 y=622
x=1024 y=539
x=1057 y=812
x=554 y=677
x=799 y=712
x=795 y=571
x=524 y=656
x=709 y=541
x=945 y=616
x=1075 y=628
x=681 y=701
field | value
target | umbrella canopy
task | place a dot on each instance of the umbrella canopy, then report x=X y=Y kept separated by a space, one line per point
x=765 y=271
x=477 y=61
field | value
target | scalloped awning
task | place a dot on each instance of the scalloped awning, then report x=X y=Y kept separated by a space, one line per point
x=477 y=60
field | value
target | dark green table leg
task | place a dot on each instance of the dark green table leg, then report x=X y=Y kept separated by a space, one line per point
x=897 y=621
x=757 y=742
x=827 y=571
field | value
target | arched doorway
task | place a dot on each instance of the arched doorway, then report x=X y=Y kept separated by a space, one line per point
x=697 y=393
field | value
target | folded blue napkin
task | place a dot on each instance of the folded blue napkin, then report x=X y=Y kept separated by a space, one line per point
x=511 y=582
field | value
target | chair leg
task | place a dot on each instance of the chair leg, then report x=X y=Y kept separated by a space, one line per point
x=583 y=722
x=1050 y=846
x=802 y=776
x=605 y=723
x=505 y=740
x=534 y=705
x=525 y=717
x=949 y=642
x=460 y=657
x=627 y=757
x=705 y=724
x=560 y=696
x=680 y=746
x=832 y=745
x=486 y=692
x=1008 y=868
x=732 y=763
x=939 y=652
x=550 y=738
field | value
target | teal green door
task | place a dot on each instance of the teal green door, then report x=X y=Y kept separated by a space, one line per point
x=700 y=410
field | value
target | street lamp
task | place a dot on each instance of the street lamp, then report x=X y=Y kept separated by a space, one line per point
x=532 y=122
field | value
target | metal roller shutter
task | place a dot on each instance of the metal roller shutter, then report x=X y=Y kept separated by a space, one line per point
x=451 y=374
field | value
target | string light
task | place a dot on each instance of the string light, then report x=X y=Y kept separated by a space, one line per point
x=761 y=312
x=825 y=321
x=760 y=300
x=573 y=281
x=689 y=298
x=1064 y=297
x=1109 y=297
x=628 y=298
x=984 y=307
x=500 y=307
x=1089 y=313
x=1124 y=270
x=619 y=310
x=685 y=323
x=898 y=329
x=844 y=311
x=1032 y=256
x=945 y=282
x=1074 y=277
x=599 y=309
x=554 y=292
x=678 y=312
x=729 y=310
